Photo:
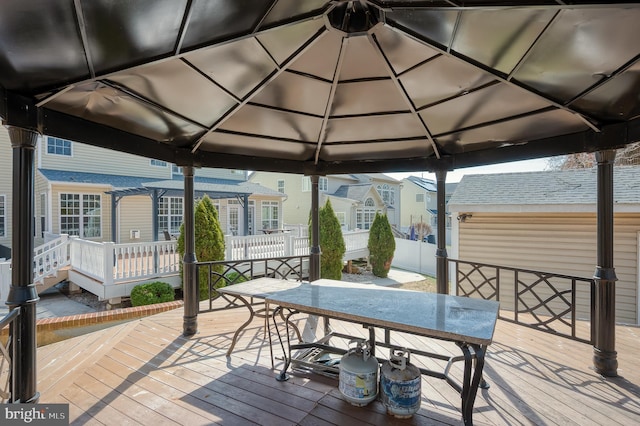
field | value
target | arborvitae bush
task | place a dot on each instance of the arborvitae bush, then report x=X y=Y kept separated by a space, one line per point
x=151 y=293
x=381 y=245
x=331 y=243
x=209 y=244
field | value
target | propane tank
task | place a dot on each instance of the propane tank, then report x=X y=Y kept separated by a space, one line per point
x=358 y=380
x=400 y=383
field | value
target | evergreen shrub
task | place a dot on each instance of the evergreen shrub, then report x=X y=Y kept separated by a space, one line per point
x=152 y=293
x=381 y=246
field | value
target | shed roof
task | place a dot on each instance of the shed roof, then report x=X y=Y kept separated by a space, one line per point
x=537 y=191
x=325 y=86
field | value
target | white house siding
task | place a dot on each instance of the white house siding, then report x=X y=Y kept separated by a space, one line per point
x=134 y=213
x=6 y=156
x=560 y=243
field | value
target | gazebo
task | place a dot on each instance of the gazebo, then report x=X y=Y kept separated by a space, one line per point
x=319 y=87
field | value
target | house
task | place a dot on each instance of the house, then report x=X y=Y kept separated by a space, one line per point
x=419 y=201
x=355 y=198
x=546 y=221
x=104 y=195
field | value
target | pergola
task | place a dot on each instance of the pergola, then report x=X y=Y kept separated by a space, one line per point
x=319 y=87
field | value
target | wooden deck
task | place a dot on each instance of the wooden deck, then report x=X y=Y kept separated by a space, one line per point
x=145 y=373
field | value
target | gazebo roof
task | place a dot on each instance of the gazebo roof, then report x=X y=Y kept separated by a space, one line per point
x=322 y=87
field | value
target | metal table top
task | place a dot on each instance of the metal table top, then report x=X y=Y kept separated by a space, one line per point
x=435 y=315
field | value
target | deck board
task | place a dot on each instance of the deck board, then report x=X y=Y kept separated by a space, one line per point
x=146 y=373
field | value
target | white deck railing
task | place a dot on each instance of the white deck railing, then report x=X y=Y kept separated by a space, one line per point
x=109 y=263
x=115 y=263
x=50 y=257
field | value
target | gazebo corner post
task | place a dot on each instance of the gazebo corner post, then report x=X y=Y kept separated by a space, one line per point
x=605 y=357
x=315 y=250
x=189 y=278
x=442 y=275
x=23 y=294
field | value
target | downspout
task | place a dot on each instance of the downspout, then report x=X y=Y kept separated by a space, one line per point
x=605 y=358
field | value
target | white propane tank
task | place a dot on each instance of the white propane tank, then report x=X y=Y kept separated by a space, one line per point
x=358 y=380
x=400 y=384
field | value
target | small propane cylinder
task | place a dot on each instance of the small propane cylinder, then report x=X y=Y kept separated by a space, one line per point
x=400 y=383
x=358 y=380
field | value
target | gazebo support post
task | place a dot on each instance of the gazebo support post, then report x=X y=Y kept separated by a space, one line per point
x=442 y=276
x=189 y=277
x=23 y=294
x=605 y=358
x=315 y=251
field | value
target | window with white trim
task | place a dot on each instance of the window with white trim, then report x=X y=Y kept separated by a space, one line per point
x=270 y=215
x=387 y=193
x=3 y=216
x=170 y=214
x=323 y=184
x=175 y=170
x=342 y=218
x=365 y=216
x=57 y=146
x=157 y=163
x=281 y=185
x=81 y=215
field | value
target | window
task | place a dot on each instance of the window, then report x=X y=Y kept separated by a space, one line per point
x=43 y=214
x=252 y=217
x=270 y=215
x=342 y=218
x=81 y=215
x=365 y=216
x=170 y=214
x=158 y=163
x=3 y=217
x=419 y=198
x=175 y=170
x=58 y=146
x=323 y=184
x=388 y=194
x=281 y=185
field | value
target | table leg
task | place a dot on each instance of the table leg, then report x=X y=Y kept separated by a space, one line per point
x=243 y=326
x=471 y=382
x=283 y=376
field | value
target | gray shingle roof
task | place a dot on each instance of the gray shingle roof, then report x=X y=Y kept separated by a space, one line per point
x=116 y=181
x=353 y=192
x=566 y=187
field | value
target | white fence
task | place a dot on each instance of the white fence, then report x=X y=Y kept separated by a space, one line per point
x=415 y=256
x=5 y=280
x=50 y=257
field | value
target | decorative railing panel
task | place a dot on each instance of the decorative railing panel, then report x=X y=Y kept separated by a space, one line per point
x=224 y=273
x=553 y=303
x=88 y=257
x=8 y=346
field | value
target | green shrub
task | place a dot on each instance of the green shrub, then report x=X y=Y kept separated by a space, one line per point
x=381 y=245
x=331 y=243
x=234 y=278
x=209 y=244
x=151 y=293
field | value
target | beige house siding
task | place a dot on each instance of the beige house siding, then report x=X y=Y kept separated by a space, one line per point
x=563 y=243
x=134 y=213
x=6 y=155
x=295 y=209
x=57 y=189
x=92 y=159
x=413 y=211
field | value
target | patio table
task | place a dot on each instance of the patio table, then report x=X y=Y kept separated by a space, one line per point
x=246 y=292
x=467 y=322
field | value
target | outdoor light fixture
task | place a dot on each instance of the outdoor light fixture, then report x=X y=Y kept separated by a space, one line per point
x=463 y=217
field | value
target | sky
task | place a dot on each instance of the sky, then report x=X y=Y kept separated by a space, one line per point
x=456 y=175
